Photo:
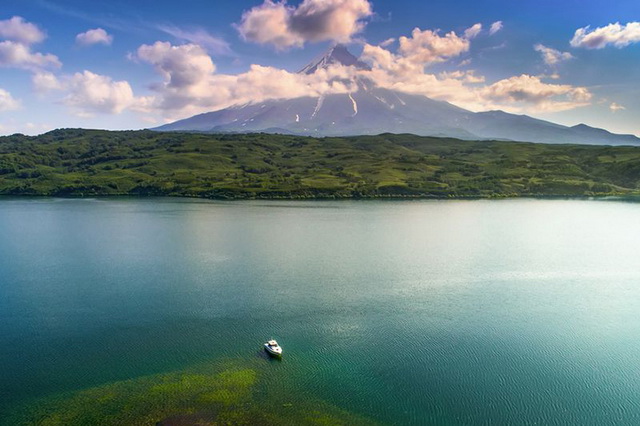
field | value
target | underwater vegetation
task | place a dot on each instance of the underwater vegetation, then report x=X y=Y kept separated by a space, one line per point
x=221 y=393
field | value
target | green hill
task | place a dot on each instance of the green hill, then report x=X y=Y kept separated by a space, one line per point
x=76 y=162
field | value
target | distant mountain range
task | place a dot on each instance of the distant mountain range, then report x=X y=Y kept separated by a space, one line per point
x=373 y=110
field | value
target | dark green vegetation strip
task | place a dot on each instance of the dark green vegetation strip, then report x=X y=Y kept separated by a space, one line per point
x=74 y=162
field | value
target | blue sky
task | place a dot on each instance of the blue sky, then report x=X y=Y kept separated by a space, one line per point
x=128 y=65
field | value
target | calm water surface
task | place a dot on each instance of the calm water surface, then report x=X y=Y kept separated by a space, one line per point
x=447 y=312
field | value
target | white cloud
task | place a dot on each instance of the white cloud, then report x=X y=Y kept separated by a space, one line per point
x=90 y=93
x=468 y=76
x=15 y=49
x=183 y=66
x=405 y=71
x=285 y=26
x=269 y=24
x=614 y=107
x=8 y=102
x=190 y=84
x=614 y=34
x=94 y=36
x=44 y=82
x=473 y=31
x=495 y=27
x=18 y=55
x=426 y=47
x=199 y=36
x=414 y=53
x=518 y=94
x=552 y=56
x=530 y=89
x=388 y=42
x=19 y=30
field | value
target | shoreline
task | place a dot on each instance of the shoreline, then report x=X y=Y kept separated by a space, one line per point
x=595 y=197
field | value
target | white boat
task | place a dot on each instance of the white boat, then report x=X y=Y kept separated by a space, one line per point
x=273 y=348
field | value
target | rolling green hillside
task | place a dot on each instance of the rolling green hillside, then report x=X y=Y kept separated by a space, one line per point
x=75 y=162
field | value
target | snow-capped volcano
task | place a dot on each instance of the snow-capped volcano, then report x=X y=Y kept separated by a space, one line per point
x=370 y=109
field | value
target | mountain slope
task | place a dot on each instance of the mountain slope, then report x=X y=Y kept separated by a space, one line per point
x=367 y=111
x=373 y=110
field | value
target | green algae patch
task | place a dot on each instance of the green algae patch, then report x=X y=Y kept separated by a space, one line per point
x=236 y=388
x=222 y=394
x=149 y=400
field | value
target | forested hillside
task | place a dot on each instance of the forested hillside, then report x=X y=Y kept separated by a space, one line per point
x=75 y=162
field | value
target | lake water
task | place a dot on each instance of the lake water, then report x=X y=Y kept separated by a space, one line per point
x=421 y=312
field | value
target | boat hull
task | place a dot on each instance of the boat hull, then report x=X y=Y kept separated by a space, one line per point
x=273 y=352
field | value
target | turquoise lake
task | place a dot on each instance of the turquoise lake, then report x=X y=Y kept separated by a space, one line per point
x=408 y=313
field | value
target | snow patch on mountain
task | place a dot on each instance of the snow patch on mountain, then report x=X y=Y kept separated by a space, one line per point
x=318 y=106
x=355 y=105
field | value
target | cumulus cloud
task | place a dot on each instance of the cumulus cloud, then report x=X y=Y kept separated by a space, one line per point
x=15 y=49
x=414 y=53
x=21 y=31
x=404 y=70
x=614 y=107
x=8 y=102
x=472 y=32
x=184 y=67
x=613 y=34
x=468 y=76
x=426 y=47
x=269 y=24
x=44 y=82
x=495 y=27
x=18 y=55
x=527 y=89
x=518 y=94
x=190 y=84
x=89 y=93
x=285 y=26
x=94 y=36
x=388 y=42
x=552 y=56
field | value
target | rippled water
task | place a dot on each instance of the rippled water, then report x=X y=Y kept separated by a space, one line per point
x=424 y=312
